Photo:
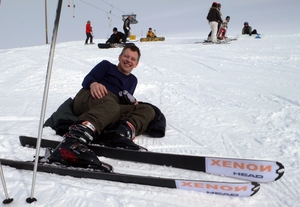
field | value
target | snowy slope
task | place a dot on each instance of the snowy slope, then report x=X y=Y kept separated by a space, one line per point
x=239 y=100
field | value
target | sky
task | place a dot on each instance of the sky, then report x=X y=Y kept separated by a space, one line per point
x=23 y=23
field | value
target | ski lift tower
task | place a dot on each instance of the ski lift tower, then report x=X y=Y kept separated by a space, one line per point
x=132 y=21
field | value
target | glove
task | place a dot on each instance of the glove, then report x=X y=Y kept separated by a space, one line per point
x=126 y=98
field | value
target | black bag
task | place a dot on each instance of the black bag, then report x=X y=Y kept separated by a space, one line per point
x=64 y=117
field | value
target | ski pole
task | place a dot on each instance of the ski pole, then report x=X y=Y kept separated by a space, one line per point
x=7 y=200
x=45 y=96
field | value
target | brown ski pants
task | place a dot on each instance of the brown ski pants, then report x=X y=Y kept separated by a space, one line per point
x=108 y=110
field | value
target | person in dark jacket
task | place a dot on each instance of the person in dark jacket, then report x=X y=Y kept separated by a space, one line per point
x=248 y=29
x=106 y=99
x=116 y=37
x=214 y=19
x=126 y=28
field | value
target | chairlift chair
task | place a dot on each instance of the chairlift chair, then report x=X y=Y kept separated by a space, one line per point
x=132 y=20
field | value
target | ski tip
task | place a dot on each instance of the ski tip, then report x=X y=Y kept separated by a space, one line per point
x=280 y=170
x=21 y=140
x=255 y=189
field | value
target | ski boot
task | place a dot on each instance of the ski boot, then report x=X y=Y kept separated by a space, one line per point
x=119 y=135
x=73 y=149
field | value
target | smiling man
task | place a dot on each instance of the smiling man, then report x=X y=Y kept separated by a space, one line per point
x=105 y=106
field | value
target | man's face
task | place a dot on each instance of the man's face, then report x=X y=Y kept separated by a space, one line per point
x=128 y=61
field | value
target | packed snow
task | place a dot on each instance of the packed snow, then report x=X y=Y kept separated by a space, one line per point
x=238 y=100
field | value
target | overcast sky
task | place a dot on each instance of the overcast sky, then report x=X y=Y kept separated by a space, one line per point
x=22 y=23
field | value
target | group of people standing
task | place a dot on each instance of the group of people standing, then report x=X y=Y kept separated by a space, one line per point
x=219 y=27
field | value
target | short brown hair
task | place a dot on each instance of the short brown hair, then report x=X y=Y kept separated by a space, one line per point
x=133 y=48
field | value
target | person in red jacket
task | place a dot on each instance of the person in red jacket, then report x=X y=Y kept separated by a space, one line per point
x=89 y=32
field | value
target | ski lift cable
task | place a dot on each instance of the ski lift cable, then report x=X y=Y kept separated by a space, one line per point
x=98 y=8
x=110 y=12
x=113 y=6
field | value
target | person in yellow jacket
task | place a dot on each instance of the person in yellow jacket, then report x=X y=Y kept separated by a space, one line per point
x=150 y=33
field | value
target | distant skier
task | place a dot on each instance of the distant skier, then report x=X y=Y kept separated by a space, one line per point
x=213 y=18
x=248 y=29
x=223 y=28
x=150 y=33
x=126 y=28
x=89 y=32
x=116 y=37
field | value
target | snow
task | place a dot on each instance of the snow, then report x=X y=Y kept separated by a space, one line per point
x=239 y=100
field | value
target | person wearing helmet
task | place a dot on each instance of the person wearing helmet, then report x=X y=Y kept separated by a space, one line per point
x=223 y=28
x=247 y=29
x=214 y=18
x=116 y=37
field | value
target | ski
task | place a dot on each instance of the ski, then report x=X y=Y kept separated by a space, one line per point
x=245 y=169
x=223 y=41
x=235 y=189
x=218 y=43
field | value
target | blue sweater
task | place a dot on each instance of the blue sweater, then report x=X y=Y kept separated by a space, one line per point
x=108 y=75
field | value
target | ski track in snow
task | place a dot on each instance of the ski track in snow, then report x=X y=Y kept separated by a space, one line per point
x=237 y=100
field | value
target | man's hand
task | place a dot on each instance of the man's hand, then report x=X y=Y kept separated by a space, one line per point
x=98 y=90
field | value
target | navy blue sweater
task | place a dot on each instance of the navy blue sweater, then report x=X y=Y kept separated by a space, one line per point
x=109 y=75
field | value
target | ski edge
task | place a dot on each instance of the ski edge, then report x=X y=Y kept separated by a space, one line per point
x=234 y=189
x=182 y=161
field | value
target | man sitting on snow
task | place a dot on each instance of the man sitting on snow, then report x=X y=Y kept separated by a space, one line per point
x=150 y=33
x=248 y=29
x=116 y=37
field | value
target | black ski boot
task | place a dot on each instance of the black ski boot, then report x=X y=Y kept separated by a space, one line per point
x=119 y=135
x=73 y=149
